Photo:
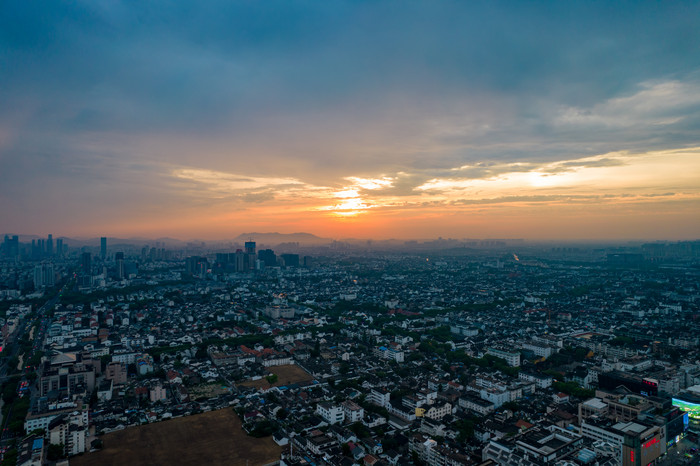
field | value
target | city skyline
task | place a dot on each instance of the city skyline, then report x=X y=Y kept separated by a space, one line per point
x=384 y=120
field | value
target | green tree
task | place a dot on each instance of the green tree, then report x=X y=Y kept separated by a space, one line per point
x=264 y=428
x=56 y=451
x=10 y=457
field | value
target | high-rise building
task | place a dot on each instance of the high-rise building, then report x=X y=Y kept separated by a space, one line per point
x=119 y=259
x=250 y=247
x=290 y=260
x=250 y=255
x=240 y=261
x=49 y=245
x=59 y=247
x=10 y=247
x=44 y=276
x=103 y=248
x=86 y=263
x=196 y=265
x=36 y=250
x=268 y=257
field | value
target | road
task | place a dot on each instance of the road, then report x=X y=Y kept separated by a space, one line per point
x=20 y=332
x=677 y=454
x=13 y=347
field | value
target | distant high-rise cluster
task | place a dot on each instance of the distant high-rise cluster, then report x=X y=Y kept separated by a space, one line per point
x=157 y=253
x=44 y=248
x=239 y=261
x=248 y=259
x=39 y=249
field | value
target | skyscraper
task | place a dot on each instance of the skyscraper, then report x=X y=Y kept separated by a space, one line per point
x=44 y=276
x=250 y=255
x=49 y=245
x=86 y=263
x=119 y=259
x=196 y=265
x=268 y=257
x=250 y=247
x=103 y=248
x=11 y=247
x=290 y=260
x=240 y=261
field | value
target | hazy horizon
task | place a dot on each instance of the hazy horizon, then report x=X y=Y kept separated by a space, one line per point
x=238 y=237
x=545 y=121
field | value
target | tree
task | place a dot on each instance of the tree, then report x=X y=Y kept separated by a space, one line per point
x=415 y=458
x=93 y=398
x=316 y=352
x=264 y=428
x=360 y=430
x=511 y=405
x=104 y=360
x=56 y=452
x=572 y=388
x=201 y=354
x=10 y=457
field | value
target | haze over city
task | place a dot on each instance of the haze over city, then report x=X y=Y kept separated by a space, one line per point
x=360 y=119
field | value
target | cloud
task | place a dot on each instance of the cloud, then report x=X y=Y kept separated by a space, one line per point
x=160 y=106
x=659 y=104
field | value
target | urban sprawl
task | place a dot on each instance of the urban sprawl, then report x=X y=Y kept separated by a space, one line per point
x=445 y=352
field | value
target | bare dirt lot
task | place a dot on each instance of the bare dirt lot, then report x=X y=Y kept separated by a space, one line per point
x=213 y=438
x=286 y=375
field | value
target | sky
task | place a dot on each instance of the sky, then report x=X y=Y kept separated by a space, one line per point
x=366 y=119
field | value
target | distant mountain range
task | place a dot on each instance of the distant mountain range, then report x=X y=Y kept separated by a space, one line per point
x=278 y=238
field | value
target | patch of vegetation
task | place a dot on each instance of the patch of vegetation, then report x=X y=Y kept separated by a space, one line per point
x=574 y=389
x=264 y=428
x=56 y=452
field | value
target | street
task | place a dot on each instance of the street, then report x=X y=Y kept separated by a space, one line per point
x=678 y=454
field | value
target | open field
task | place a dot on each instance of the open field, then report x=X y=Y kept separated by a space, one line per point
x=213 y=438
x=286 y=375
x=207 y=390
